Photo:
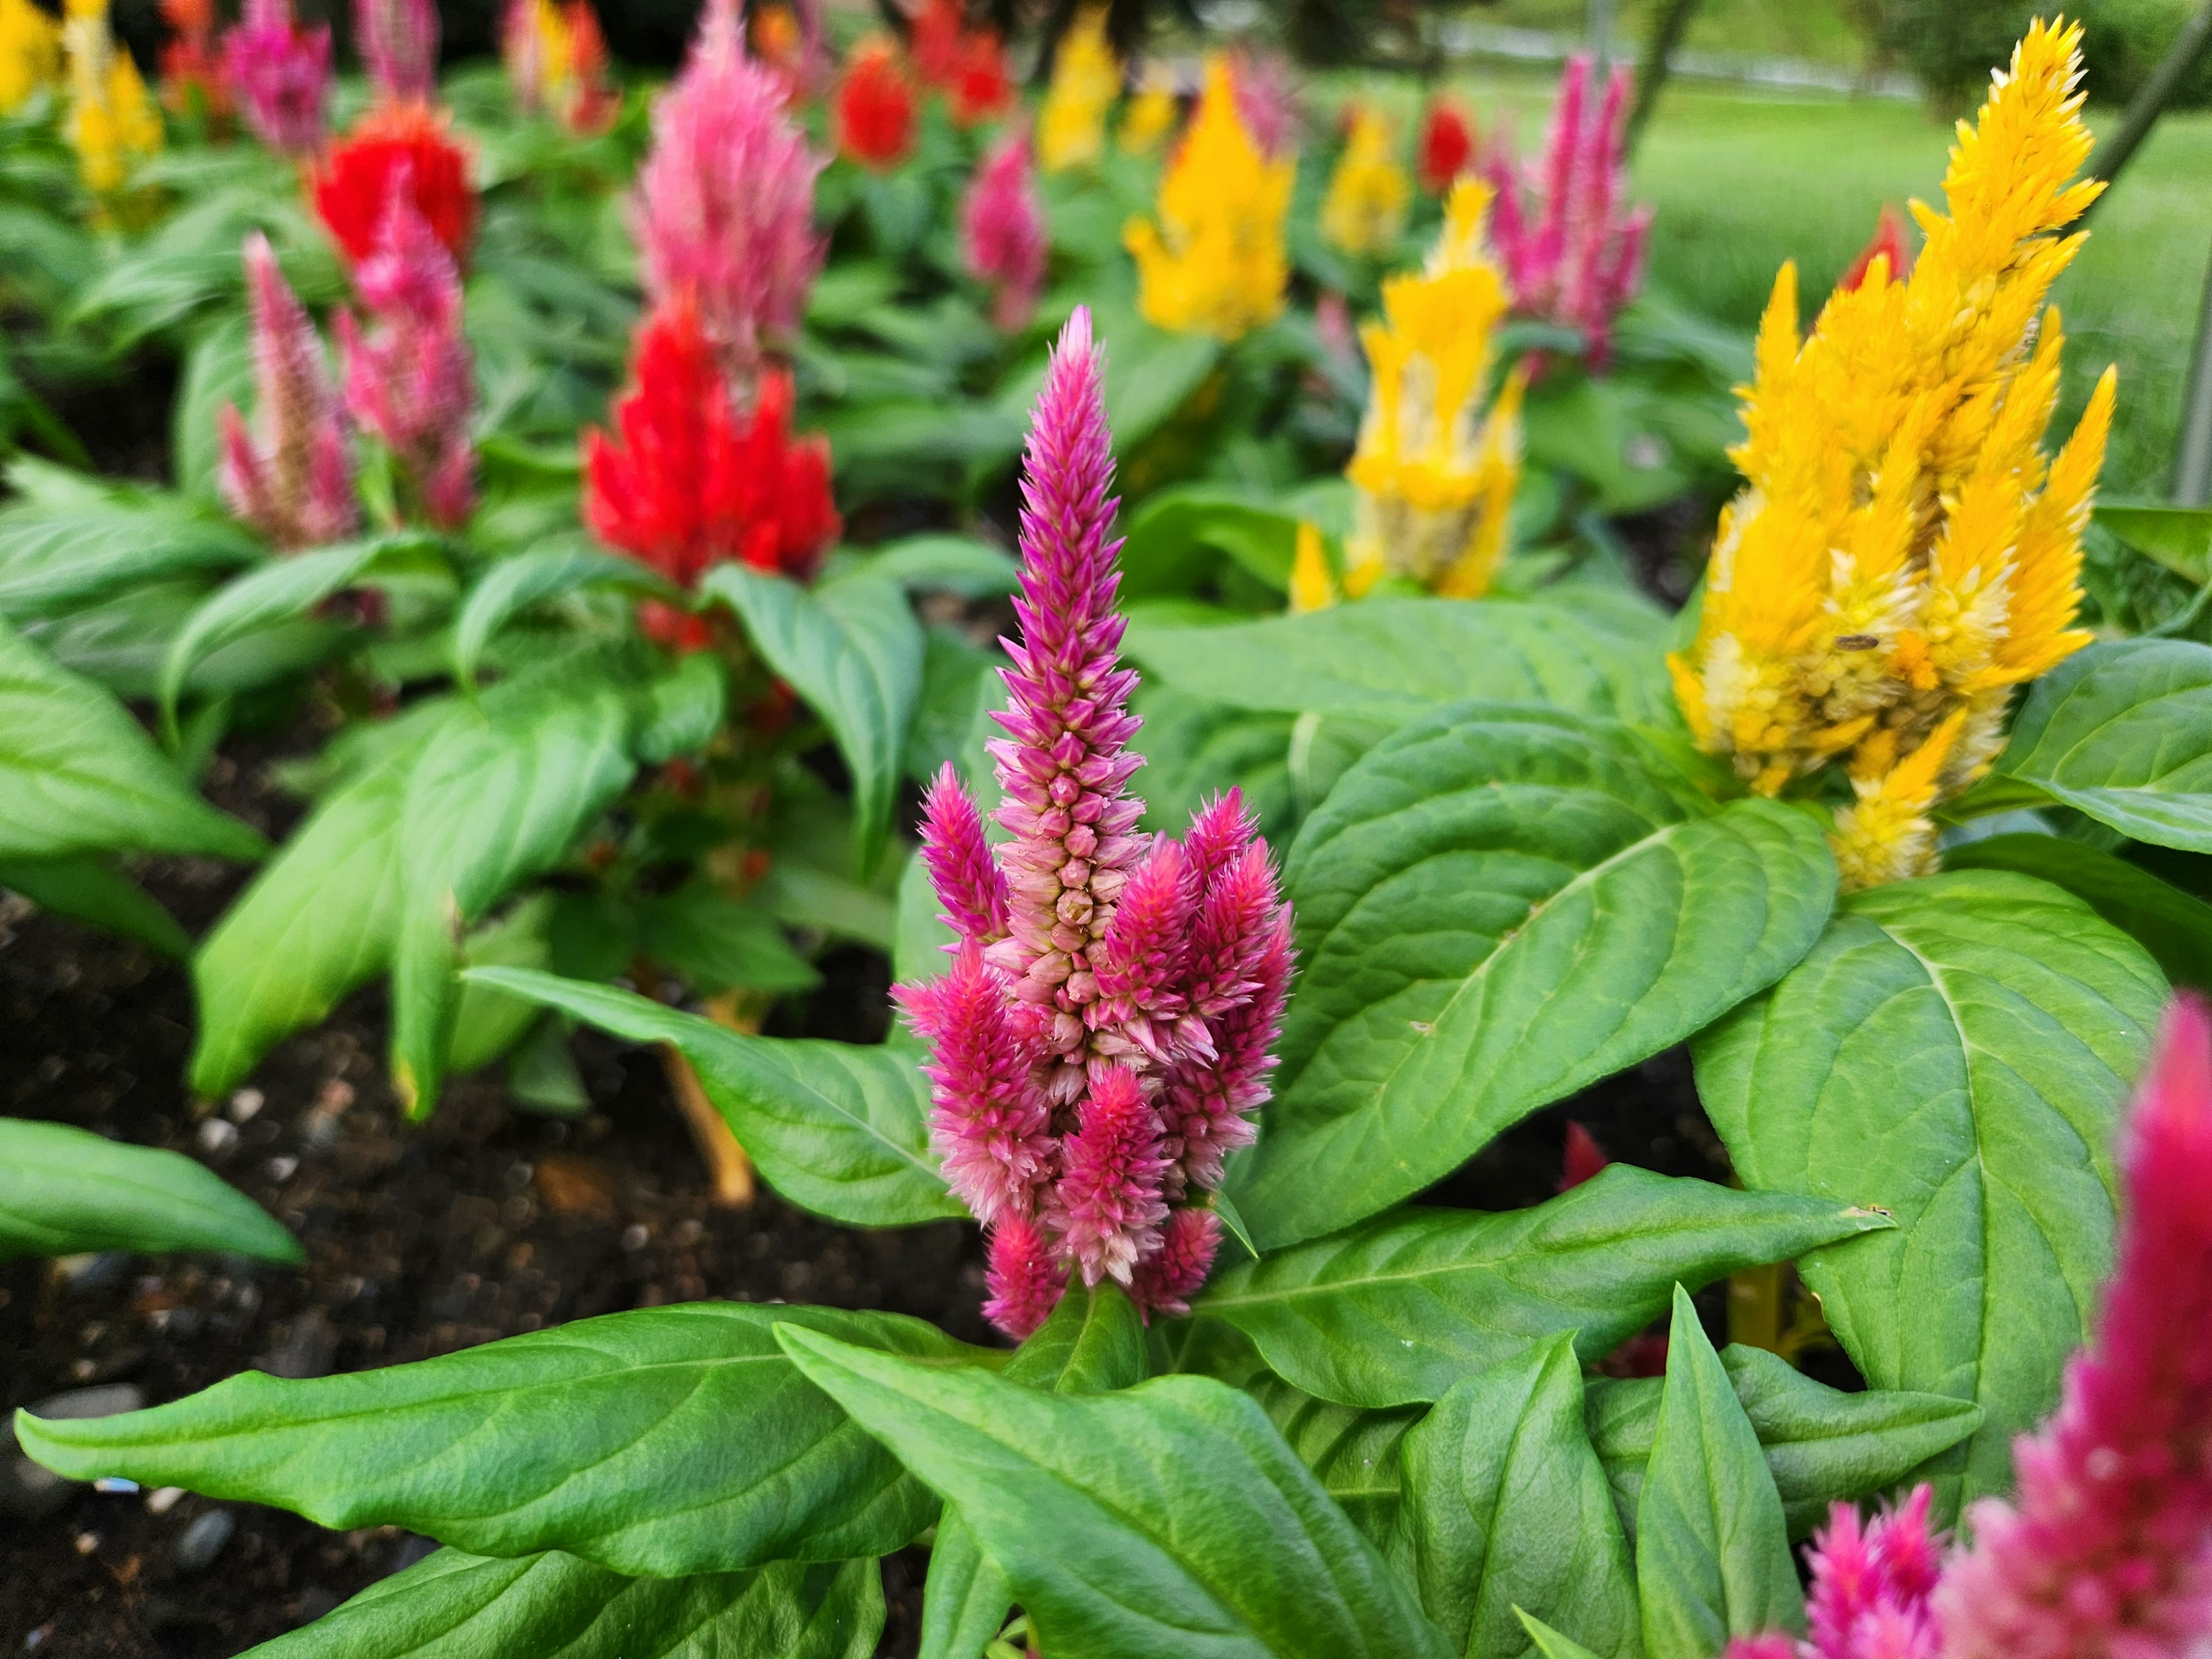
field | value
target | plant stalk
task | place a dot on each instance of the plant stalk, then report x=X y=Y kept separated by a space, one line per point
x=2192 y=455
x=1669 y=26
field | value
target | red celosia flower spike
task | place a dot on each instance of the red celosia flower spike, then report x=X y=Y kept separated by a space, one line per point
x=1891 y=242
x=1447 y=146
x=193 y=69
x=874 y=107
x=965 y=62
x=354 y=180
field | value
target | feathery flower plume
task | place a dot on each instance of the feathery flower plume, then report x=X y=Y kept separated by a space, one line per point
x=557 y=63
x=1435 y=478
x=193 y=78
x=1152 y=113
x=1266 y=100
x=874 y=108
x=30 y=53
x=1365 y=209
x=688 y=482
x=1087 y=79
x=411 y=380
x=113 y=125
x=1572 y=254
x=1903 y=554
x=292 y=478
x=280 y=74
x=1215 y=264
x=966 y=61
x=1447 y=145
x=1003 y=228
x=1103 y=1034
x=1888 y=244
x=724 y=202
x=398 y=40
x=410 y=141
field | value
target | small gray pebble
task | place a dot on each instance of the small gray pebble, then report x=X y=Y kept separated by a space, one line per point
x=199 y=1544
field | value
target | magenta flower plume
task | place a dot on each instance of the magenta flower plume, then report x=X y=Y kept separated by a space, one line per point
x=1573 y=254
x=1872 y=1581
x=1002 y=223
x=1266 y=100
x=411 y=380
x=291 y=477
x=280 y=74
x=724 y=202
x=1105 y=1031
x=398 y=40
x=1773 y=1646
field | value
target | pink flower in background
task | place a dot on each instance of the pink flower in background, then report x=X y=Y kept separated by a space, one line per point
x=411 y=379
x=291 y=476
x=1266 y=100
x=1003 y=225
x=280 y=74
x=1106 y=1025
x=1573 y=250
x=724 y=203
x=398 y=40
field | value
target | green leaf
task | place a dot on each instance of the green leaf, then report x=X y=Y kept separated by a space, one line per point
x=2179 y=538
x=455 y=1606
x=1954 y=1051
x=837 y=1128
x=1498 y=905
x=1178 y=536
x=1354 y=1453
x=218 y=370
x=487 y=1023
x=715 y=942
x=1506 y=1506
x=64 y=1190
x=1398 y=659
x=1712 y=1556
x=956 y=564
x=78 y=774
x=513 y=585
x=1194 y=748
x=965 y=1599
x=660 y=1443
x=1822 y=1445
x=853 y=649
x=53 y=559
x=1163 y=1520
x=1549 y=1642
x=1149 y=374
x=85 y=889
x=1398 y=1308
x=2122 y=731
x=683 y=709
x=2174 y=927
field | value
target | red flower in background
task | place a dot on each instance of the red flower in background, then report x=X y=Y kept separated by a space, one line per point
x=191 y=64
x=967 y=64
x=688 y=482
x=1447 y=146
x=1890 y=241
x=875 y=107
x=354 y=181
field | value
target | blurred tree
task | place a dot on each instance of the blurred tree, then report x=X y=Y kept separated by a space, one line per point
x=1952 y=43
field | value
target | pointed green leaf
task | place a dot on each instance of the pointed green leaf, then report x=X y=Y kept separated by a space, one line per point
x=2174 y=927
x=86 y=890
x=715 y=942
x=56 y=558
x=513 y=585
x=1549 y=1642
x=1354 y=1453
x=966 y=1599
x=63 y=1190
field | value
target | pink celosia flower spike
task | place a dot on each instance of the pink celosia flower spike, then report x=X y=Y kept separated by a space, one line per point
x=280 y=74
x=411 y=380
x=398 y=40
x=292 y=478
x=1871 y=1583
x=1106 y=1027
x=1002 y=222
x=724 y=202
x=2107 y=1547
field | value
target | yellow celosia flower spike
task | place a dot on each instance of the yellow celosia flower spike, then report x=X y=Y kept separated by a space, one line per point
x=1215 y=264
x=1087 y=79
x=1313 y=588
x=1364 y=209
x=30 y=53
x=1902 y=554
x=1150 y=116
x=1435 y=480
x=113 y=124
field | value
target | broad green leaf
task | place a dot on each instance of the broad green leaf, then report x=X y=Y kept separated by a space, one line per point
x=456 y=1606
x=715 y=942
x=2179 y=538
x=1354 y=1453
x=801 y=895
x=53 y=559
x=2122 y=731
x=1149 y=374
x=1506 y=1506
x=218 y=370
x=2174 y=927
x=64 y=1190
x=683 y=709
x=837 y=1128
x=1822 y=1445
x=1398 y=1308
x=956 y=682
x=966 y=1598
x=513 y=585
x=958 y=564
x=1498 y=905
x=78 y=774
x=86 y=890
x=853 y=649
x=1549 y=1642
x=1194 y=748
x=1165 y=1520
x=1712 y=1555
x=1954 y=1051
x=916 y=953
x=487 y=1023
x=1398 y=659
x=1177 y=538
x=660 y=1443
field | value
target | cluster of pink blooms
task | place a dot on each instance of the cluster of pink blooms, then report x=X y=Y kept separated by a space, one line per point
x=398 y=40
x=411 y=379
x=1266 y=100
x=1003 y=231
x=292 y=478
x=1113 y=997
x=280 y=75
x=1573 y=250
x=2106 y=1550
x=724 y=203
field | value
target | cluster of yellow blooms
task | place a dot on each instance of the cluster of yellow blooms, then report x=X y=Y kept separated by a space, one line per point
x=1151 y=115
x=1215 y=264
x=113 y=124
x=1364 y=209
x=30 y=52
x=1087 y=79
x=1903 y=554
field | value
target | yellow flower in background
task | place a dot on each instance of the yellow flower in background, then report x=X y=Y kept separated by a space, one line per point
x=1903 y=554
x=1312 y=586
x=1087 y=79
x=30 y=52
x=1215 y=262
x=113 y=124
x=1364 y=209
x=1435 y=479
x=1150 y=116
